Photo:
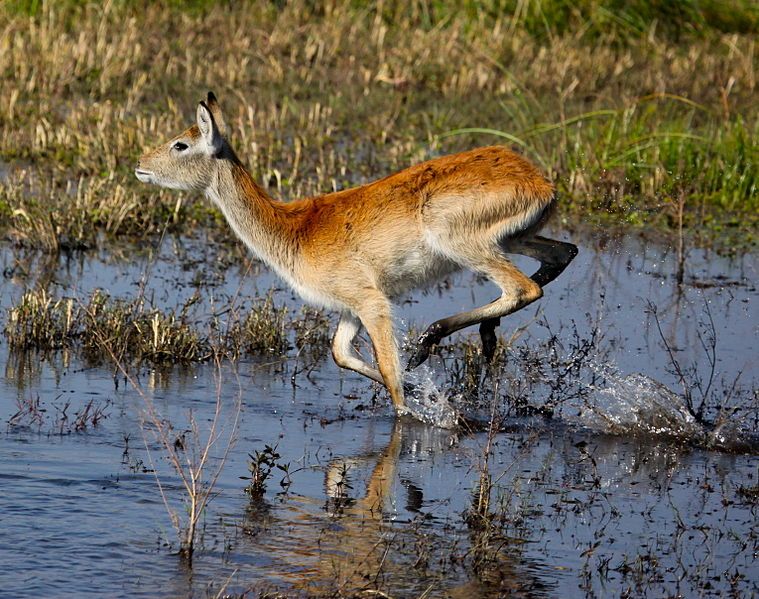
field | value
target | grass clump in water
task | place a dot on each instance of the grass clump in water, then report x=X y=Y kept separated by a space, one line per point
x=38 y=321
x=264 y=331
x=131 y=331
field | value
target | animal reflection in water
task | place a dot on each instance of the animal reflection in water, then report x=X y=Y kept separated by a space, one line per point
x=352 y=543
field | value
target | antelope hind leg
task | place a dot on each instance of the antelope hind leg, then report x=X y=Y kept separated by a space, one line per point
x=554 y=257
x=518 y=290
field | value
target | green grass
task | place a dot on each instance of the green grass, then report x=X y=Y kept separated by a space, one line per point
x=617 y=20
x=637 y=161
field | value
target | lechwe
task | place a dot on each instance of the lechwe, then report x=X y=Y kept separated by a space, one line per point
x=354 y=250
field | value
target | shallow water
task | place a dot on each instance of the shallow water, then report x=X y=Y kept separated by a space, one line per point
x=375 y=503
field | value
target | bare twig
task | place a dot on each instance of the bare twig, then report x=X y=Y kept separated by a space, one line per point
x=192 y=468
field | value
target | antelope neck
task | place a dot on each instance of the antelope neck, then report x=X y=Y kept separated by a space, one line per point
x=260 y=221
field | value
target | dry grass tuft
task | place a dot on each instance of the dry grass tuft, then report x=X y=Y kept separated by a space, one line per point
x=139 y=334
x=38 y=321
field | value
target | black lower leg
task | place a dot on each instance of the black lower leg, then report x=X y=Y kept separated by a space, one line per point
x=547 y=273
x=554 y=257
x=427 y=340
x=488 y=336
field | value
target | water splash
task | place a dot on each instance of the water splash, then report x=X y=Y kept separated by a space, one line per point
x=592 y=394
x=636 y=403
x=426 y=402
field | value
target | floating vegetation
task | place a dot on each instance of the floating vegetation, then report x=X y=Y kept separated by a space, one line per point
x=749 y=493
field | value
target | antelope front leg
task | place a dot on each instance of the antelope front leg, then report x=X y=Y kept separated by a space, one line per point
x=378 y=322
x=343 y=352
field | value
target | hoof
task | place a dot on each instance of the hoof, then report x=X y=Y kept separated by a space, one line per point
x=420 y=355
x=427 y=340
x=404 y=412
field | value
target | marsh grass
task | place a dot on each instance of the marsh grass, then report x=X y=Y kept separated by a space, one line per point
x=264 y=331
x=559 y=374
x=197 y=456
x=312 y=333
x=637 y=161
x=30 y=412
x=41 y=322
x=139 y=334
x=626 y=105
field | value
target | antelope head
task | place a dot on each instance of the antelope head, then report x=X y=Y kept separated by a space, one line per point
x=190 y=160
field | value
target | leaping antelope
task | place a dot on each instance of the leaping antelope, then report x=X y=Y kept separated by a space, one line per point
x=354 y=250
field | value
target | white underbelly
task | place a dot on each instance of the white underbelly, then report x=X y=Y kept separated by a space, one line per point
x=417 y=269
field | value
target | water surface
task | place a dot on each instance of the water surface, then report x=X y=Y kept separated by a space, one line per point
x=376 y=503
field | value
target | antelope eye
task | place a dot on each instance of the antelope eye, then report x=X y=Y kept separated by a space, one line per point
x=179 y=146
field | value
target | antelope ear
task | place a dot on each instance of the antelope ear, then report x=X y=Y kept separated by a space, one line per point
x=213 y=105
x=208 y=129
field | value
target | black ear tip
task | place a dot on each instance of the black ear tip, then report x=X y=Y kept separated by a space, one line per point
x=211 y=97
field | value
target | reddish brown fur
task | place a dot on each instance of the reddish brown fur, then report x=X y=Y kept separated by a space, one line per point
x=355 y=249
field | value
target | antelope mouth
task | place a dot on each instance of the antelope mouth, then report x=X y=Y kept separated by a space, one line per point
x=143 y=175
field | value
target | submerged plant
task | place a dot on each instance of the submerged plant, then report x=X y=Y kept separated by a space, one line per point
x=33 y=413
x=261 y=465
x=30 y=412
